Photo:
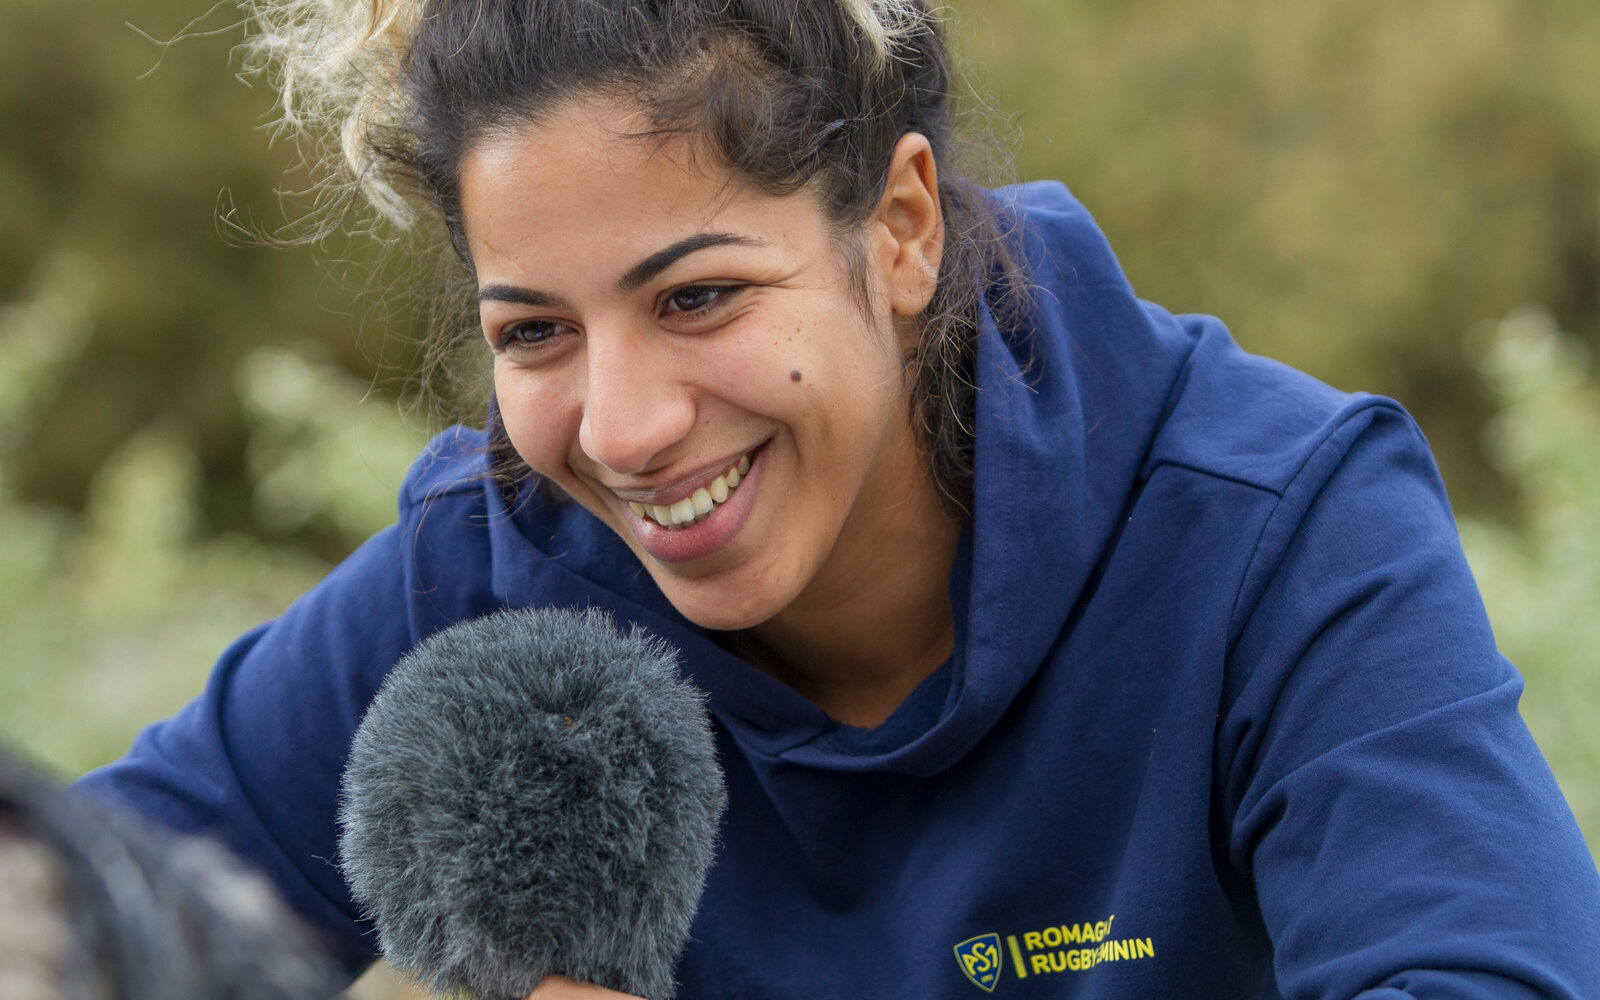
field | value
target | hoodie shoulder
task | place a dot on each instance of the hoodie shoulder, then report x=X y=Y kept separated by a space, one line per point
x=1227 y=413
x=1246 y=418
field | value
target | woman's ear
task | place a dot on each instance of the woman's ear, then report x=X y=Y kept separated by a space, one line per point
x=908 y=227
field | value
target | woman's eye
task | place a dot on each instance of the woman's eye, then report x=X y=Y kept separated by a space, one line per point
x=529 y=333
x=695 y=298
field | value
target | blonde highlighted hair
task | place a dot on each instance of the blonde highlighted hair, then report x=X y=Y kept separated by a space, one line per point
x=337 y=67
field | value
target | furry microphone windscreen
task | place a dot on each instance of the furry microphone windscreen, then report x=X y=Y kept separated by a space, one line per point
x=533 y=793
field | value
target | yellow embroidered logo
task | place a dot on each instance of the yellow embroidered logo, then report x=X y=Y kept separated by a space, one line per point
x=980 y=960
x=1060 y=948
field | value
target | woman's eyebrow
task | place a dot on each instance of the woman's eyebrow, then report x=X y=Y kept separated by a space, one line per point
x=629 y=282
x=663 y=259
x=521 y=296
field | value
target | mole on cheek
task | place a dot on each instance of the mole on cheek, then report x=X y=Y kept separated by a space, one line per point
x=794 y=376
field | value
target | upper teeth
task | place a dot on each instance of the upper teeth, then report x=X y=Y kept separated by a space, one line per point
x=697 y=505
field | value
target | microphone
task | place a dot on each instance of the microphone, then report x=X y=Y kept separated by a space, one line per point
x=533 y=793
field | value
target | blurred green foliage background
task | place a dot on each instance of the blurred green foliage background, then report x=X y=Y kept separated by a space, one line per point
x=1403 y=198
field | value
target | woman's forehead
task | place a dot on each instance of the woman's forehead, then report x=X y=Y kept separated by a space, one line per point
x=594 y=139
x=584 y=187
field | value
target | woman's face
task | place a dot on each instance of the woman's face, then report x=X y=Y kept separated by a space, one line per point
x=687 y=359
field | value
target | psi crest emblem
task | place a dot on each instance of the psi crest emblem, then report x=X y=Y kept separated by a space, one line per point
x=979 y=958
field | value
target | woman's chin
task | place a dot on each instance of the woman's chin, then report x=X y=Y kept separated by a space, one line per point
x=729 y=608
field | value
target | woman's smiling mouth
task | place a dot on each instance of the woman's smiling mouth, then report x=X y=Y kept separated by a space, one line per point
x=698 y=505
x=682 y=528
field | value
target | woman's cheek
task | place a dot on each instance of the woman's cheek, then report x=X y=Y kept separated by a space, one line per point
x=538 y=421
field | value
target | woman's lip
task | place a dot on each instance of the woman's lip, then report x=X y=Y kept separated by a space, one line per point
x=706 y=537
x=668 y=494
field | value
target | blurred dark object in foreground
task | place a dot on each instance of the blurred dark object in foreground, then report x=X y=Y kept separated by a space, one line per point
x=94 y=904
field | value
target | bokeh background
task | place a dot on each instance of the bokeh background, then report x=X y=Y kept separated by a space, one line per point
x=1402 y=198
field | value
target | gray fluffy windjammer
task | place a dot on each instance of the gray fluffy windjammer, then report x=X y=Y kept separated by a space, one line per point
x=533 y=793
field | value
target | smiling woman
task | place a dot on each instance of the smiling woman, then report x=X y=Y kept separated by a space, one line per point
x=642 y=368
x=1046 y=634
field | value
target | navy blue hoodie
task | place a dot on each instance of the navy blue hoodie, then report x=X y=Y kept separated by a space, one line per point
x=1224 y=716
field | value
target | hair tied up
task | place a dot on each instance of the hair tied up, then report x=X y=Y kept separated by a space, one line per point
x=336 y=67
x=886 y=24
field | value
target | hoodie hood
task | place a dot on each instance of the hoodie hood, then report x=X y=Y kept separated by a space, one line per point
x=1066 y=409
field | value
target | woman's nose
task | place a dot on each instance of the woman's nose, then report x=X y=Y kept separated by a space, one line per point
x=635 y=407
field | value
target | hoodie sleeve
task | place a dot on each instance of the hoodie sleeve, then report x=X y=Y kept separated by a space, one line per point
x=255 y=760
x=1405 y=836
